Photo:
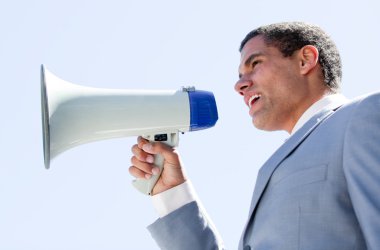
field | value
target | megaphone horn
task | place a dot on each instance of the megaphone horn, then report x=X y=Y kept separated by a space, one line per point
x=73 y=115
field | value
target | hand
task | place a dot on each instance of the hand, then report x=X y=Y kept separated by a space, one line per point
x=143 y=167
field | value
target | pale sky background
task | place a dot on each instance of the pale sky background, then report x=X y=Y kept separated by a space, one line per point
x=86 y=200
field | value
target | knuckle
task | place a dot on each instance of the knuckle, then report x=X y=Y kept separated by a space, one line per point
x=135 y=172
x=138 y=153
x=131 y=170
x=134 y=148
x=141 y=141
x=140 y=166
x=133 y=160
x=136 y=161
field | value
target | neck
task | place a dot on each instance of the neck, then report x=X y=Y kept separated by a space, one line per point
x=314 y=96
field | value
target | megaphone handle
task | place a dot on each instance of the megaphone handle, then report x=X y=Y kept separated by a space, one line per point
x=146 y=186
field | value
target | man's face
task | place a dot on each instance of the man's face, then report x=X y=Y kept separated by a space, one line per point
x=272 y=86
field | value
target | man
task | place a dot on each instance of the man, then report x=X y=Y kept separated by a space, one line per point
x=321 y=188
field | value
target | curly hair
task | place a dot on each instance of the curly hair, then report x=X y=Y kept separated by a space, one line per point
x=291 y=36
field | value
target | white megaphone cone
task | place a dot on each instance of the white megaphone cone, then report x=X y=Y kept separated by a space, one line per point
x=73 y=115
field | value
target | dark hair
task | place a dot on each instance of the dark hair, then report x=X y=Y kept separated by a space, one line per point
x=291 y=36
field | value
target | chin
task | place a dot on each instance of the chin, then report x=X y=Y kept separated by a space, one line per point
x=262 y=125
x=259 y=125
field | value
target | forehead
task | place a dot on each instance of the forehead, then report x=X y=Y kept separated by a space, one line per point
x=254 y=45
x=253 y=48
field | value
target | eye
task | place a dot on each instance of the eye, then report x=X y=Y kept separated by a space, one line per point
x=254 y=63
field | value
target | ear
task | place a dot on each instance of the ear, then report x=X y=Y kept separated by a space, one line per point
x=309 y=56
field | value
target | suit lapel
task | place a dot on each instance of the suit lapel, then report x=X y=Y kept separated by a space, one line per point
x=281 y=153
x=286 y=149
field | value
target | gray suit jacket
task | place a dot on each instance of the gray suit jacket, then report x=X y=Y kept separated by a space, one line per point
x=319 y=190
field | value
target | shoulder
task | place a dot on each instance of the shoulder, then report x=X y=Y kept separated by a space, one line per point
x=358 y=116
x=363 y=116
x=367 y=99
x=364 y=104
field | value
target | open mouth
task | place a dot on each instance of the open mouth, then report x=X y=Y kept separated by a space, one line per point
x=253 y=99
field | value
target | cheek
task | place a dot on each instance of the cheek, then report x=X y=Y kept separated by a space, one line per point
x=279 y=96
x=272 y=86
x=283 y=84
x=265 y=80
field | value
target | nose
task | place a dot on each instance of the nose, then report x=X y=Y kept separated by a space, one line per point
x=242 y=85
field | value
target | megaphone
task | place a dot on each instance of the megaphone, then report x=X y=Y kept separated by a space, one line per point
x=73 y=115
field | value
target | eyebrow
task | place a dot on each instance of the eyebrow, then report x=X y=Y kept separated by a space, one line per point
x=249 y=60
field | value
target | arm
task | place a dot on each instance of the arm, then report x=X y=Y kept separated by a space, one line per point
x=362 y=167
x=187 y=227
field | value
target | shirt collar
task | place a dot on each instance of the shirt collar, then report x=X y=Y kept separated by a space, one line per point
x=328 y=102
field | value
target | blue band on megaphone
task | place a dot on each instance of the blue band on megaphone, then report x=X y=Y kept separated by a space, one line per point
x=203 y=111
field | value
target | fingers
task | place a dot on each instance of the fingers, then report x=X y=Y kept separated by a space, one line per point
x=140 y=169
x=137 y=173
x=143 y=160
x=142 y=166
x=141 y=155
x=152 y=148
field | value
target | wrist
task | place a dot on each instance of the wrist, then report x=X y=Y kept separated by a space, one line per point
x=173 y=198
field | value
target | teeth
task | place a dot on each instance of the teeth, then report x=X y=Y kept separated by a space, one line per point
x=253 y=98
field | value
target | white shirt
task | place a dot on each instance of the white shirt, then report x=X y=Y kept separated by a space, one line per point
x=174 y=198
